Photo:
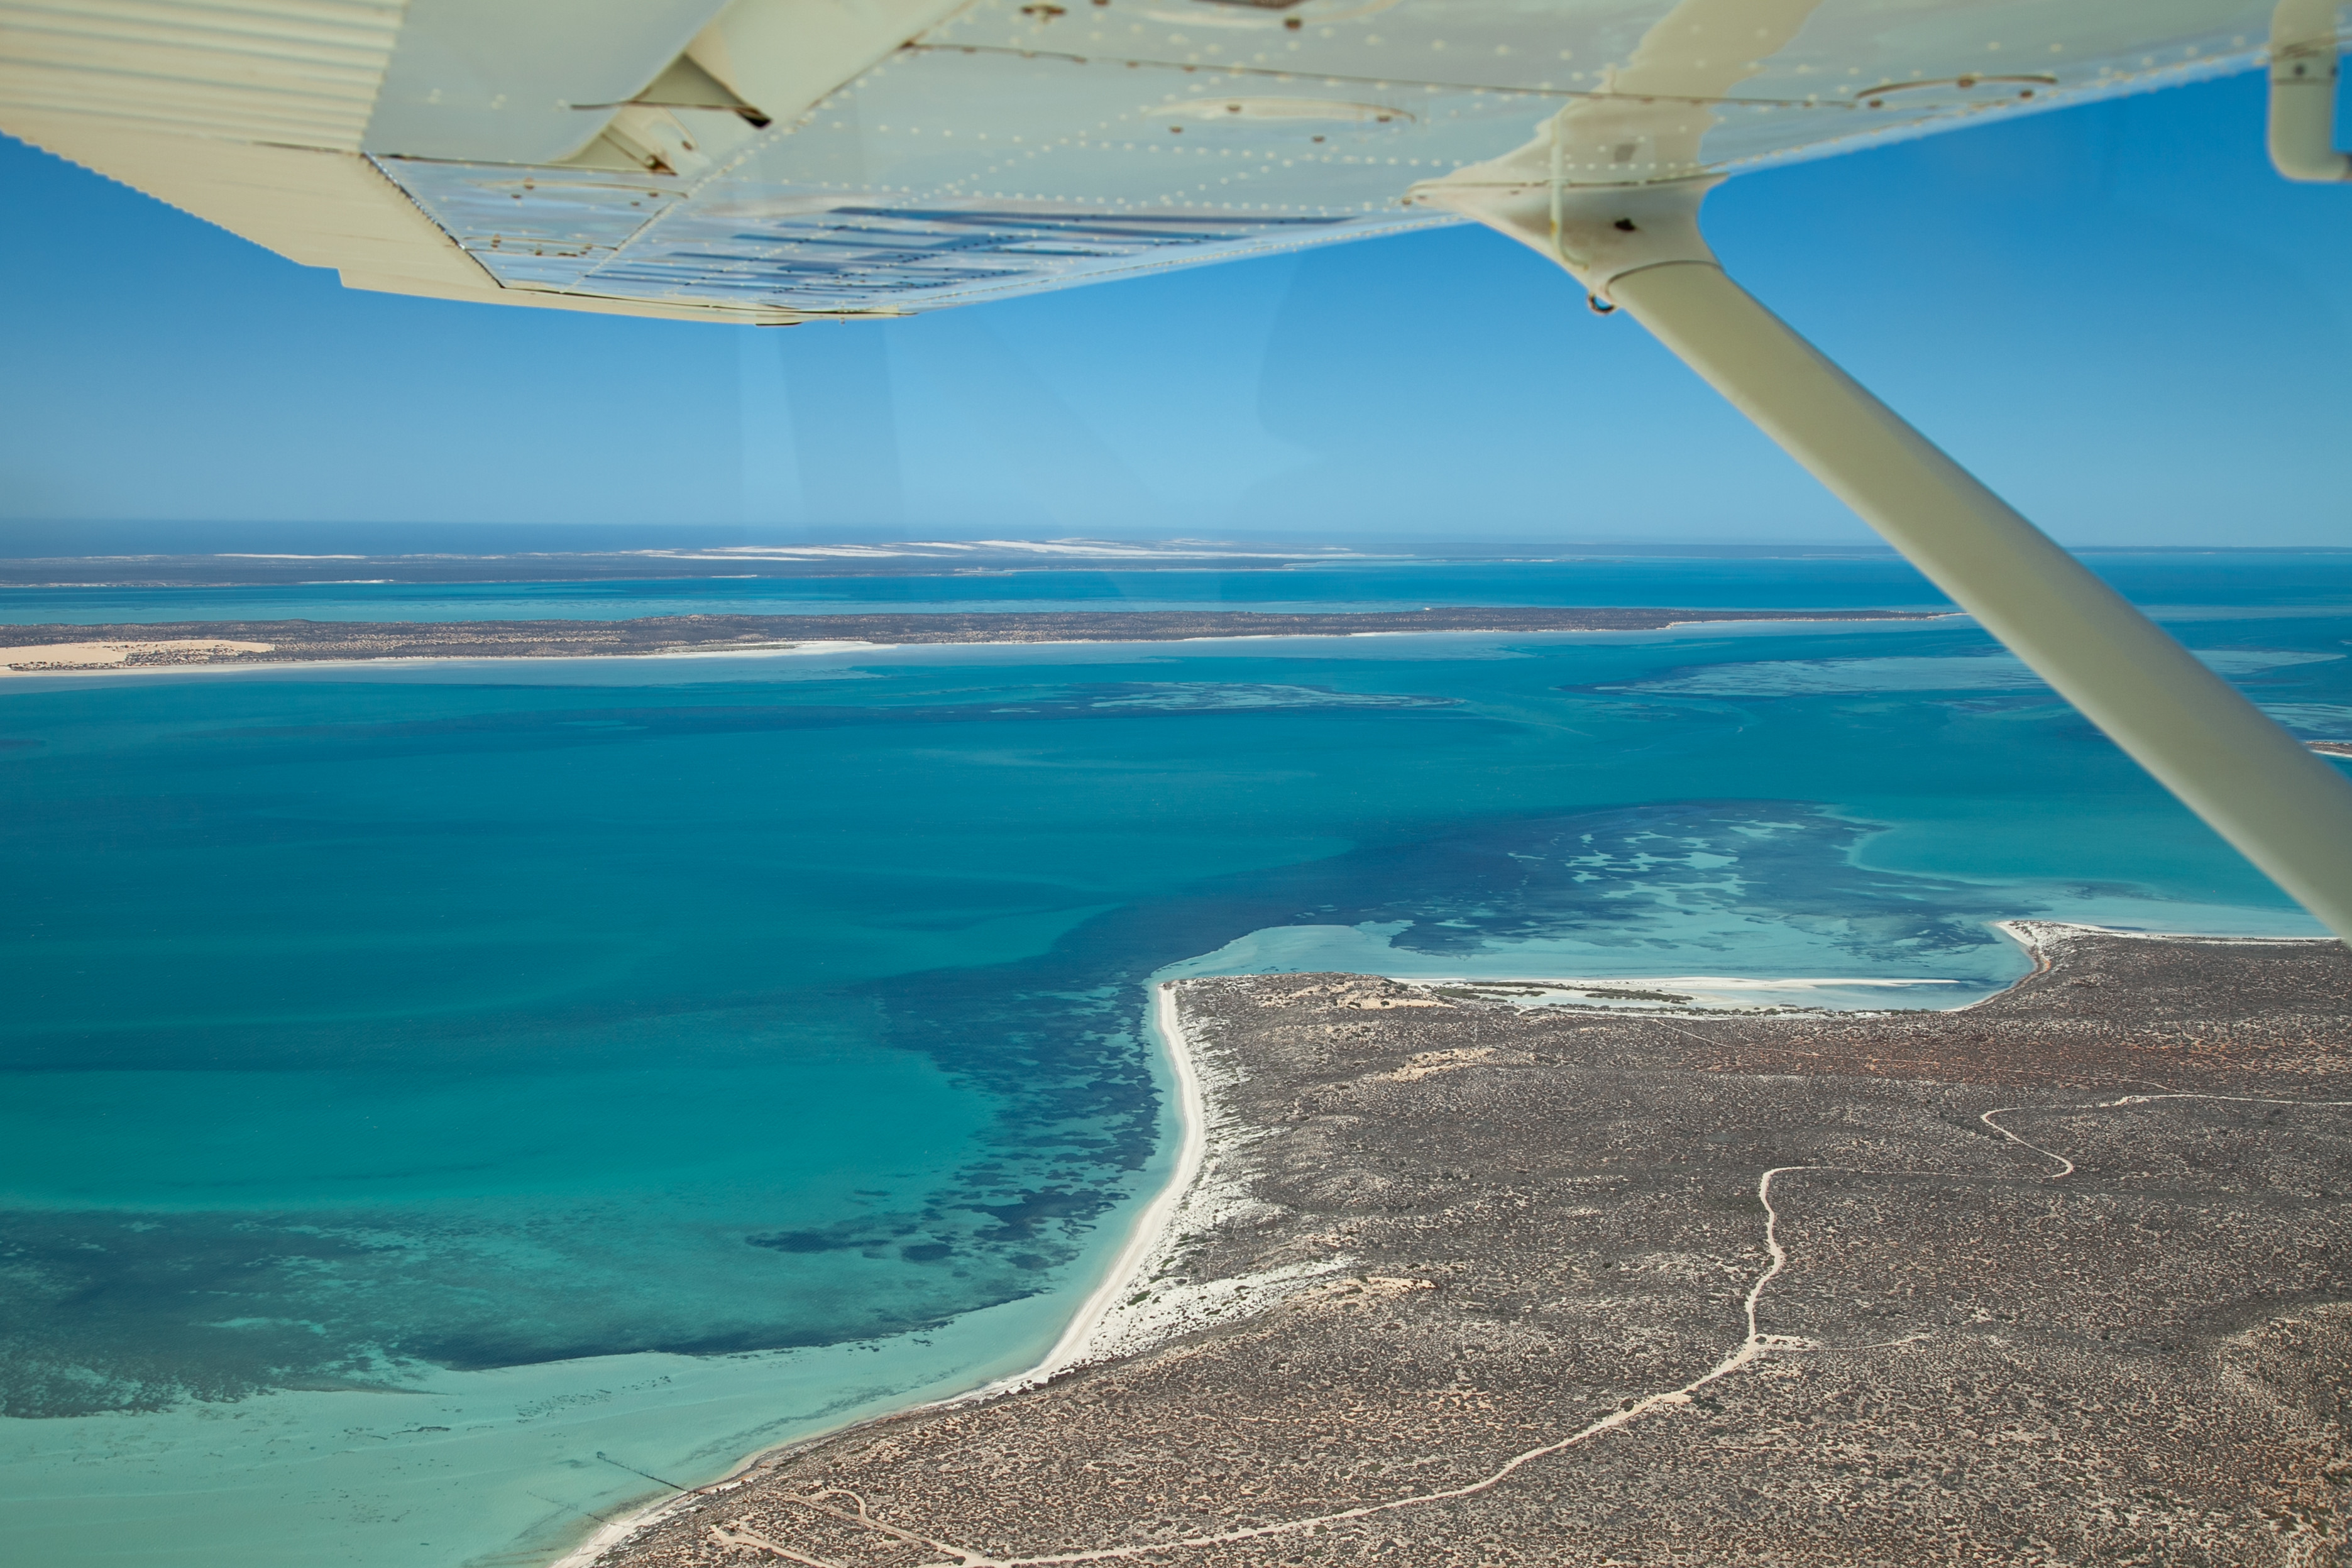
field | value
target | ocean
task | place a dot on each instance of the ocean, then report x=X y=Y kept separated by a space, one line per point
x=448 y=1103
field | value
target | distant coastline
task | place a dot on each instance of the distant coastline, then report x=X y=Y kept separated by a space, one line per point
x=524 y=560
x=83 y=555
x=57 y=649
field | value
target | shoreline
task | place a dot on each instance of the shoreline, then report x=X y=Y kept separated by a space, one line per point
x=1151 y=1229
x=1147 y=1242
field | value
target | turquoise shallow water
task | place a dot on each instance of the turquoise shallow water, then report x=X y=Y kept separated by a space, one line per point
x=440 y=1099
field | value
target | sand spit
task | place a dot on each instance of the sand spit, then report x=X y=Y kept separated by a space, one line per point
x=2063 y=1276
x=118 y=653
x=313 y=642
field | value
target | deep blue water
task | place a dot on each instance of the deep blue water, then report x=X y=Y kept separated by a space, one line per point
x=437 y=1097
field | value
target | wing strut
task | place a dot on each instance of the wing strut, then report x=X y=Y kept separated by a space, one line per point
x=1639 y=248
x=2303 y=69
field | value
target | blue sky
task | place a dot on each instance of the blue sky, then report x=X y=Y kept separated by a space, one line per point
x=2115 y=314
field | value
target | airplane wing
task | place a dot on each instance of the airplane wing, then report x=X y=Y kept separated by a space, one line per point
x=769 y=160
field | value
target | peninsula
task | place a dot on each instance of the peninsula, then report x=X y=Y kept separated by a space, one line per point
x=2063 y=1277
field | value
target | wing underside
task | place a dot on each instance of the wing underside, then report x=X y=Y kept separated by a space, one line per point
x=769 y=160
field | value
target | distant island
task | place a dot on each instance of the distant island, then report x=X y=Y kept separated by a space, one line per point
x=911 y=557
x=56 y=648
x=2064 y=1276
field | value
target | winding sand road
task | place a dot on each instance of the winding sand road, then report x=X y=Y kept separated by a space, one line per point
x=1753 y=1347
x=1559 y=1286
